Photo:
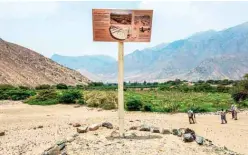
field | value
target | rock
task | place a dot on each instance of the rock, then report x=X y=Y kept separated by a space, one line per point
x=53 y=151
x=76 y=106
x=63 y=153
x=82 y=129
x=187 y=130
x=75 y=135
x=70 y=123
x=155 y=130
x=40 y=126
x=133 y=128
x=99 y=110
x=131 y=121
x=187 y=137
x=129 y=135
x=175 y=132
x=62 y=146
x=199 y=140
x=145 y=128
x=115 y=134
x=61 y=142
x=165 y=131
x=76 y=125
x=179 y=133
x=70 y=139
x=2 y=133
x=94 y=127
x=34 y=128
x=107 y=125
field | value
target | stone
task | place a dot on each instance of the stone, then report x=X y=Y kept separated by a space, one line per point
x=76 y=125
x=175 y=132
x=40 y=126
x=75 y=135
x=99 y=110
x=115 y=134
x=70 y=139
x=187 y=137
x=129 y=135
x=145 y=128
x=2 y=133
x=108 y=125
x=34 y=128
x=155 y=130
x=70 y=123
x=61 y=142
x=165 y=131
x=133 y=128
x=76 y=106
x=199 y=140
x=94 y=127
x=53 y=151
x=82 y=129
x=187 y=130
x=62 y=146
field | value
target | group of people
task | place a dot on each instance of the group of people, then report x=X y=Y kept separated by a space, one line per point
x=233 y=110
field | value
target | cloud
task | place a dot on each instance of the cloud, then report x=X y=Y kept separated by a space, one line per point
x=27 y=10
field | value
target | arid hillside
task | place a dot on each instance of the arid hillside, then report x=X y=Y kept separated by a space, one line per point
x=22 y=66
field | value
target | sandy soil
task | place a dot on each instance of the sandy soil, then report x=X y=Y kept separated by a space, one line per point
x=18 y=120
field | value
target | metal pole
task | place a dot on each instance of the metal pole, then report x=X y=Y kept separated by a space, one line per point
x=120 y=87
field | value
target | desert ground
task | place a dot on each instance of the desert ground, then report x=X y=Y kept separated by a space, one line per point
x=22 y=135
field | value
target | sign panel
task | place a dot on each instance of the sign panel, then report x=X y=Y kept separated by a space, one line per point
x=114 y=25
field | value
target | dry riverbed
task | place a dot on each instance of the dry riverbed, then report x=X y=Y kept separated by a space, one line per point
x=29 y=130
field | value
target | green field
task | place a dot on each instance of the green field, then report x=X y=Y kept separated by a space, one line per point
x=173 y=101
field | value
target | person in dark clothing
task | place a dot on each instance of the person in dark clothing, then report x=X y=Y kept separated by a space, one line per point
x=223 y=117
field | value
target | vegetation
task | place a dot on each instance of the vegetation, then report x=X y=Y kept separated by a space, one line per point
x=70 y=96
x=170 y=96
x=61 y=86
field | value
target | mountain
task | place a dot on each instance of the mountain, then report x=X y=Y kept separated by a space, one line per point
x=22 y=66
x=218 y=53
x=224 y=67
x=93 y=64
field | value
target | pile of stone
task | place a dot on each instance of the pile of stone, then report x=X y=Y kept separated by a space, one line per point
x=93 y=127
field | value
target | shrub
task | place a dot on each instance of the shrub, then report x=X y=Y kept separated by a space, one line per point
x=3 y=95
x=61 y=86
x=20 y=94
x=134 y=104
x=240 y=96
x=69 y=96
x=6 y=87
x=24 y=87
x=44 y=97
x=80 y=101
x=148 y=107
x=103 y=99
x=44 y=86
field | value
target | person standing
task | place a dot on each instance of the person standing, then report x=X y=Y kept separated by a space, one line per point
x=232 y=110
x=223 y=117
x=191 y=116
x=235 y=112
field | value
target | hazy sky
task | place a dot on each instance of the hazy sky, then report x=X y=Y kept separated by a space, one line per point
x=66 y=27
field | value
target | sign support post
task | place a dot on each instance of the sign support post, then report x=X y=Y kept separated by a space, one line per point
x=120 y=87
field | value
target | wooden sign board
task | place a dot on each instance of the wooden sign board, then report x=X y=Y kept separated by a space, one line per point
x=114 y=25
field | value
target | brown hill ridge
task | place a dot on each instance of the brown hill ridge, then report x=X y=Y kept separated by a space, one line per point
x=22 y=66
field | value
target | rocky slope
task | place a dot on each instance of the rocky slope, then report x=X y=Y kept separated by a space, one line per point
x=22 y=66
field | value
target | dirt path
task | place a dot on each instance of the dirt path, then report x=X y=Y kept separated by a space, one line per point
x=19 y=120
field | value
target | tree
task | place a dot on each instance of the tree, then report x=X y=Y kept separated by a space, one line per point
x=246 y=76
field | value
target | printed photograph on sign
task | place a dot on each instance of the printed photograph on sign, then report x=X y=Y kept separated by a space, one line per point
x=121 y=17
x=122 y=25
